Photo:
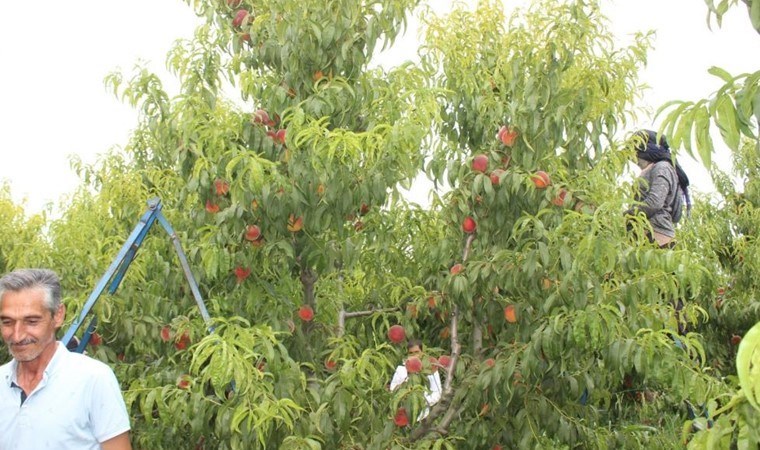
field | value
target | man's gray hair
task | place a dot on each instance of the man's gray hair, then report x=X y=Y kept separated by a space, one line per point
x=23 y=279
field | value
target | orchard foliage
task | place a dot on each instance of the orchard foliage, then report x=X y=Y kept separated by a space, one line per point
x=22 y=243
x=280 y=164
x=734 y=110
x=727 y=230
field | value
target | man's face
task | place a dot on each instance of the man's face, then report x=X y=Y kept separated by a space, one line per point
x=27 y=325
x=414 y=350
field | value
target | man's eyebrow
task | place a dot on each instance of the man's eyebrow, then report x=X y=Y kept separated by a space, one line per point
x=31 y=316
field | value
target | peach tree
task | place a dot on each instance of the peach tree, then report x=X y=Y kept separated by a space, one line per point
x=566 y=329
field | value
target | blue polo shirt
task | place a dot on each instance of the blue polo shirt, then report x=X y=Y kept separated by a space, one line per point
x=77 y=404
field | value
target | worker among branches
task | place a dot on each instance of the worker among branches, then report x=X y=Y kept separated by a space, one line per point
x=663 y=187
x=433 y=391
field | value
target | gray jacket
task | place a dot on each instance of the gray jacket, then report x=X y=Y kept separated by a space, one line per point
x=660 y=197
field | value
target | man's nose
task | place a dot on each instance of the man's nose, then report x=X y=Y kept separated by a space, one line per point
x=17 y=332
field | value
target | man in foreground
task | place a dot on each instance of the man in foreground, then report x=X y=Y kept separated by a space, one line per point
x=51 y=398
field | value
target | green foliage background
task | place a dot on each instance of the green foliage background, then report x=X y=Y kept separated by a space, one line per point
x=594 y=359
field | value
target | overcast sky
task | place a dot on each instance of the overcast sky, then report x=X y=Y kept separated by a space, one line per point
x=55 y=55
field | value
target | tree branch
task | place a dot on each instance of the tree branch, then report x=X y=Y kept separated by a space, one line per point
x=343 y=315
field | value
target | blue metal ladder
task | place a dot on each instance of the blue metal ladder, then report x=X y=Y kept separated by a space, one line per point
x=119 y=266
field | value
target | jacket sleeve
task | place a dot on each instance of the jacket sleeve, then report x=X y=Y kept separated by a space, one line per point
x=655 y=197
x=398 y=377
x=434 y=395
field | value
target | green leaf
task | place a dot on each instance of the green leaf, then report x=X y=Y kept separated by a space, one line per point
x=725 y=118
x=754 y=14
x=748 y=365
x=721 y=73
x=704 y=141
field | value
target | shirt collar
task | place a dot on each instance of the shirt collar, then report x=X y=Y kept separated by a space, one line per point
x=55 y=361
x=61 y=352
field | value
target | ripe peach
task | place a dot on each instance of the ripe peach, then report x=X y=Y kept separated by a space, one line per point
x=252 y=233
x=510 y=314
x=559 y=200
x=241 y=273
x=240 y=17
x=396 y=334
x=95 y=339
x=306 y=313
x=507 y=135
x=413 y=364
x=183 y=382
x=496 y=176
x=469 y=225
x=480 y=163
x=295 y=224
x=541 y=179
x=401 y=419
x=183 y=341
x=221 y=187
x=211 y=207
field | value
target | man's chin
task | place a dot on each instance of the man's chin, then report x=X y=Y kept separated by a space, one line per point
x=25 y=355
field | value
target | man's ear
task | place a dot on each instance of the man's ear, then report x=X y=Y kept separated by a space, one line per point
x=59 y=315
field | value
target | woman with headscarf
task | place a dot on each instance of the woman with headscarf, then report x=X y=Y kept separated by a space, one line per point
x=663 y=187
x=663 y=190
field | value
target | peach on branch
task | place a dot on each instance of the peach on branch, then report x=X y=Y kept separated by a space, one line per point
x=95 y=339
x=221 y=187
x=541 y=179
x=496 y=176
x=413 y=364
x=183 y=382
x=261 y=117
x=480 y=163
x=507 y=135
x=306 y=313
x=241 y=18
x=295 y=224
x=183 y=341
x=396 y=334
x=559 y=200
x=252 y=233
x=241 y=273
x=211 y=207
x=469 y=225
x=510 y=313
x=401 y=419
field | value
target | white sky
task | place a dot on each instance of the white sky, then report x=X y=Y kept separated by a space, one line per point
x=55 y=55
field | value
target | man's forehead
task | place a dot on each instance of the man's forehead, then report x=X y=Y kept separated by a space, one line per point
x=26 y=299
